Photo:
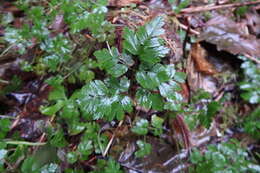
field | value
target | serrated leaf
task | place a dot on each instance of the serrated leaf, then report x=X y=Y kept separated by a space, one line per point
x=109 y=61
x=141 y=127
x=117 y=112
x=85 y=147
x=145 y=42
x=147 y=80
x=126 y=103
x=72 y=157
x=143 y=98
x=152 y=79
x=144 y=148
x=75 y=127
x=99 y=99
x=118 y=70
x=152 y=53
x=180 y=77
x=70 y=110
x=154 y=28
x=131 y=43
x=169 y=90
x=157 y=123
x=172 y=106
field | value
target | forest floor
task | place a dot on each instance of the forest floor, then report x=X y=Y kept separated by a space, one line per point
x=138 y=86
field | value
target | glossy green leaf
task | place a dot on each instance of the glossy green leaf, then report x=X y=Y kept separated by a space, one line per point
x=146 y=42
x=51 y=110
x=99 y=99
x=170 y=90
x=50 y=168
x=72 y=157
x=109 y=61
x=157 y=123
x=144 y=148
x=147 y=80
x=157 y=102
x=70 y=110
x=180 y=77
x=143 y=98
x=141 y=127
x=131 y=43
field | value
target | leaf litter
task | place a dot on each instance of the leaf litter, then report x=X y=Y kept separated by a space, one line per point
x=159 y=140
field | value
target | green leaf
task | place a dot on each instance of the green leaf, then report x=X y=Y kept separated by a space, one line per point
x=180 y=77
x=117 y=112
x=141 y=127
x=152 y=51
x=85 y=147
x=57 y=93
x=51 y=110
x=70 y=110
x=27 y=165
x=3 y=153
x=50 y=168
x=109 y=61
x=57 y=139
x=130 y=43
x=147 y=80
x=206 y=119
x=151 y=29
x=146 y=42
x=109 y=166
x=196 y=156
x=158 y=74
x=112 y=167
x=74 y=126
x=170 y=90
x=173 y=105
x=157 y=123
x=157 y=102
x=182 y=4
x=143 y=98
x=98 y=99
x=144 y=148
x=126 y=103
x=72 y=157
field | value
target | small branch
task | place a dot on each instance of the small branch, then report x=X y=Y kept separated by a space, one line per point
x=192 y=31
x=209 y=8
x=25 y=143
x=111 y=140
x=257 y=60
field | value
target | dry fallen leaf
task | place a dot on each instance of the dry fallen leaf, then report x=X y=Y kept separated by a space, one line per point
x=199 y=55
x=229 y=36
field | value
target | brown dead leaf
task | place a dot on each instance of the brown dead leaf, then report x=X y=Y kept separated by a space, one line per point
x=199 y=54
x=230 y=36
x=197 y=79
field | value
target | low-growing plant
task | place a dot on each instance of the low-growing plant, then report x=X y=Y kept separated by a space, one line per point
x=223 y=157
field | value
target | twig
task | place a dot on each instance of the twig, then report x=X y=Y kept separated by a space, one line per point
x=7 y=117
x=192 y=31
x=111 y=140
x=257 y=60
x=209 y=8
x=25 y=143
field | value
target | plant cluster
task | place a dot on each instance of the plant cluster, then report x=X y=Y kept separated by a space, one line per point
x=223 y=157
x=73 y=45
